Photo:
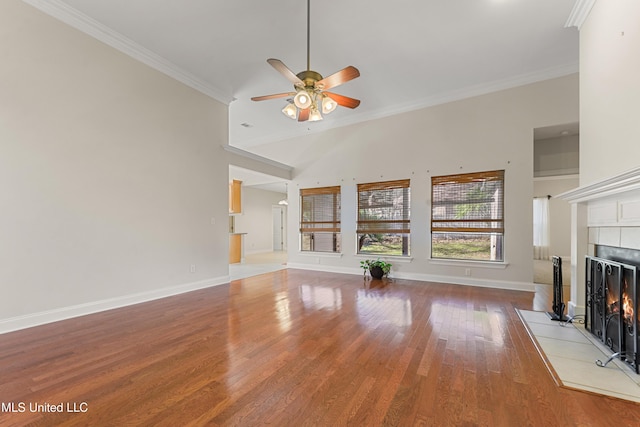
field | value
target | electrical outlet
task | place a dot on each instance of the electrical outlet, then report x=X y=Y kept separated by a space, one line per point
x=192 y=268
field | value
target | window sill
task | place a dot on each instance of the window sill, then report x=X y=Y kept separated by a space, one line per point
x=321 y=254
x=394 y=258
x=500 y=265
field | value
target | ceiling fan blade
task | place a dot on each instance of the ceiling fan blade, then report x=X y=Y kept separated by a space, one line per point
x=274 y=96
x=342 y=100
x=282 y=69
x=303 y=115
x=336 y=79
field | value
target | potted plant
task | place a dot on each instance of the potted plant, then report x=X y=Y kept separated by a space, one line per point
x=377 y=269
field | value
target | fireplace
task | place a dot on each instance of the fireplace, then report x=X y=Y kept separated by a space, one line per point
x=611 y=297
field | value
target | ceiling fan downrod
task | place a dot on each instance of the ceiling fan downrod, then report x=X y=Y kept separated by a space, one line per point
x=311 y=96
x=308 y=35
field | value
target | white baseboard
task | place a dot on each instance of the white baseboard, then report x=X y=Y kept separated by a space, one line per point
x=49 y=316
x=574 y=309
x=470 y=281
x=35 y=319
x=466 y=281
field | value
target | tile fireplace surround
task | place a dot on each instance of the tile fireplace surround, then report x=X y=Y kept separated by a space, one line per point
x=603 y=213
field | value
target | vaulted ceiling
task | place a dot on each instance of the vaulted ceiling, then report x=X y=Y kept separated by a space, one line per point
x=410 y=53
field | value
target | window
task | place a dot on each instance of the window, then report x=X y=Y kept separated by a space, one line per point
x=320 y=219
x=383 y=218
x=467 y=219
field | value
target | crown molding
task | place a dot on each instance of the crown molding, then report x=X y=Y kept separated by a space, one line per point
x=78 y=20
x=432 y=101
x=579 y=14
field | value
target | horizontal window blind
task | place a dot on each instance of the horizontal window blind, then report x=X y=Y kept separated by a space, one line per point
x=468 y=203
x=320 y=210
x=383 y=207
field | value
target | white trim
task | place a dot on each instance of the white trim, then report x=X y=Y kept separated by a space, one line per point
x=624 y=182
x=501 y=265
x=387 y=258
x=465 y=281
x=470 y=281
x=556 y=172
x=431 y=101
x=95 y=29
x=64 y=313
x=555 y=177
x=579 y=13
x=257 y=158
x=317 y=254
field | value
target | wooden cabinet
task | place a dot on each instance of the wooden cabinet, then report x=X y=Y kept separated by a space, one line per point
x=235 y=207
x=235 y=197
x=236 y=251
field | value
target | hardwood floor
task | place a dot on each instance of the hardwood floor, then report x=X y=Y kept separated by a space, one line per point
x=297 y=348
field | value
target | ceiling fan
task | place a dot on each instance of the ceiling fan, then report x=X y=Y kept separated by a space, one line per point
x=310 y=98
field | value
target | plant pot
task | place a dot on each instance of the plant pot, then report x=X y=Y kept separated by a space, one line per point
x=376 y=272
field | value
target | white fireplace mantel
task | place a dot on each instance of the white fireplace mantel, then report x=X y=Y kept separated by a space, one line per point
x=613 y=202
x=606 y=212
x=627 y=182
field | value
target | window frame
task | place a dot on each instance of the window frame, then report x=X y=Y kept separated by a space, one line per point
x=312 y=226
x=469 y=225
x=401 y=226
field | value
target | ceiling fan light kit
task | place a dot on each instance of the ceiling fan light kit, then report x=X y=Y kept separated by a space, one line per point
x=328 y=104
x=310 y=100
x=315 y=115
x=302 y=99
x=290 y=111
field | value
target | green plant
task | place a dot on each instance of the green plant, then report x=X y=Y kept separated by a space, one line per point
x=368 y=264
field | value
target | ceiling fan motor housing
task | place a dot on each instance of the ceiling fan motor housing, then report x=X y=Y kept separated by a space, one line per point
x=309 y=78
x=309 y=97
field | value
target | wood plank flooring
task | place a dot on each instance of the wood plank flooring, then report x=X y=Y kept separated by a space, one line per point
x=297 y=348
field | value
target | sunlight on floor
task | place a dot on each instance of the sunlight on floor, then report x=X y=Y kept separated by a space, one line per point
x=255 y=264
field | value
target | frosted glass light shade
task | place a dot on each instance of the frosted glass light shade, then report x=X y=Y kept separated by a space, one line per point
x=328 y=104
x=290 y=111
x=314 y=115
x=302 y=99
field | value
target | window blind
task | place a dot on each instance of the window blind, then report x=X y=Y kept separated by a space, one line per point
x=320 y=210
x=468 y=203
x=383 y=207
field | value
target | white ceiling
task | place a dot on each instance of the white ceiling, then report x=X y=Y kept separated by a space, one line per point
x=410 y=53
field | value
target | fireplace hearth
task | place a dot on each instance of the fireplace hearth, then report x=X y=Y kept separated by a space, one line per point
x=612 y=313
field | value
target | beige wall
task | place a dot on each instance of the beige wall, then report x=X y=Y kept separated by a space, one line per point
x=488 y=132
x=256 y=219
x=557 y=156
x=112 y=182
x=609 y=133
x=609 y=90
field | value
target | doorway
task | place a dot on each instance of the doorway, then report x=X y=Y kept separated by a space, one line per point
x=556 y=153
x=279 y=225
